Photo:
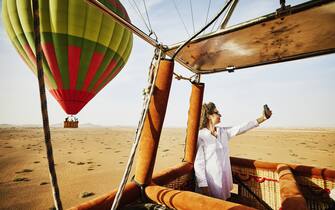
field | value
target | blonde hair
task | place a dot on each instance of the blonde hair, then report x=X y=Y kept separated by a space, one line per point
x=206 y=110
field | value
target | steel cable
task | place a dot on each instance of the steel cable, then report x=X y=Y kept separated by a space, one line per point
x=180 y=17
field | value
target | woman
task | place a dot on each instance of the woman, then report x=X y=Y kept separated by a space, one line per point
x=212 y=163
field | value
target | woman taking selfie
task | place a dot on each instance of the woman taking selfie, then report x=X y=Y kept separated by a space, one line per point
x=212 y=164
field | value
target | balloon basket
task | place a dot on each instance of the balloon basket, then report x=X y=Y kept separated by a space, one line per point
x=68 y=124
x=71 y=122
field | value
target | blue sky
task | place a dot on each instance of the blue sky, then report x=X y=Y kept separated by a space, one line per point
x=300 y=93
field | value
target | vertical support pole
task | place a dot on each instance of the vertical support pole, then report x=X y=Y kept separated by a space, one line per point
x=194 y=113
x=44 y=107
x=153 y=124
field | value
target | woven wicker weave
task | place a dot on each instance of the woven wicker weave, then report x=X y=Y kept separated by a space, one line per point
x=262 y=182
x=316 y=191
x=262 y=178
x=184 y=182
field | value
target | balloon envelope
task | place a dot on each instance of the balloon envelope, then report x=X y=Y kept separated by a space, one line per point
x=83 y=48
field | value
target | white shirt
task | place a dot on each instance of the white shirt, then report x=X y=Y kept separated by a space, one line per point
x=212 y=163
x=332 y=194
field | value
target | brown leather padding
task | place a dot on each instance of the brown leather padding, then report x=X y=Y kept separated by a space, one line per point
x=130 y=194
x=186 y=200
x=291 y=197
x=193 y=121
x=153 y=124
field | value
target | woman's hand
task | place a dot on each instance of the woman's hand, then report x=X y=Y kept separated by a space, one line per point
x=267 y=113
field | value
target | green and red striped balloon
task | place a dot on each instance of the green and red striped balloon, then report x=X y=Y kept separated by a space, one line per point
x=83 y=48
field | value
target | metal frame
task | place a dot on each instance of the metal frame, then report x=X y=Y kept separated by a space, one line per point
x=254 y=21
x=280 y=12
x=169 y=50
x=180 y=47
x=145 y=36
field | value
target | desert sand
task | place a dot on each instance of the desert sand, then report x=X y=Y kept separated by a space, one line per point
x=92 y=160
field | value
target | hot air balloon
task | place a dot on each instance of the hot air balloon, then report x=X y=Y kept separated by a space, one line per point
x=83 y=48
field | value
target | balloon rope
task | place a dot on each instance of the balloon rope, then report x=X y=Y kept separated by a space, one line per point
x=46 y=128
x=146 y=102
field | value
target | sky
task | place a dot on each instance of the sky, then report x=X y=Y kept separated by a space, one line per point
x=300 y=93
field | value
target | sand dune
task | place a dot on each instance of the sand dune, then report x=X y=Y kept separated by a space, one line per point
x=90 y=161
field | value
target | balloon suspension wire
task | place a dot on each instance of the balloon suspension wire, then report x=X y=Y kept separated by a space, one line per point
x=44 y=109
x=214 y=24
x=147 y=22
x=137 y=10
x=201 y=30
x=191 y=7
x=217 y=21
x=147 y=14
x=208 y=8
x=148 y=92
x=181 y=18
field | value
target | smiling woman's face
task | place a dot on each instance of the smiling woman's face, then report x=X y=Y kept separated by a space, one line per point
x=209 y=115
x=215 y=117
